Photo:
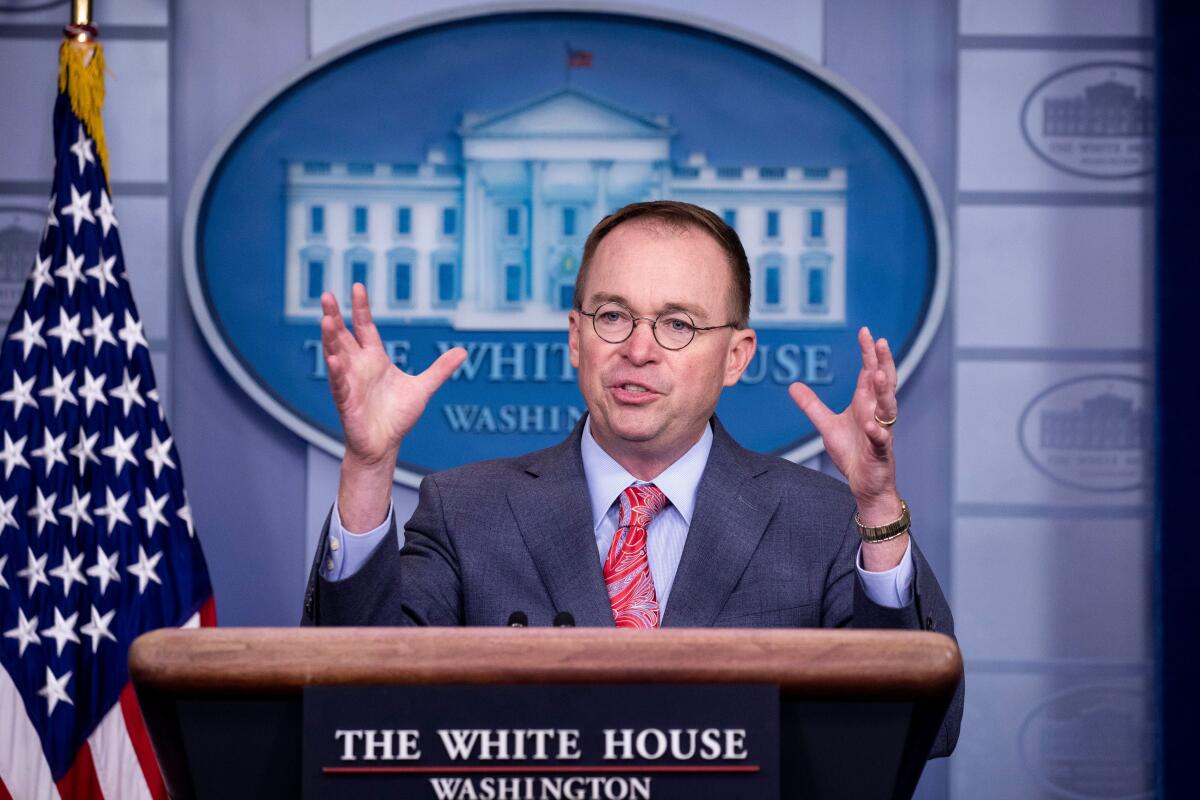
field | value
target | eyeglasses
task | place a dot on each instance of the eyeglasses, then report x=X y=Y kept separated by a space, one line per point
x=673 y=330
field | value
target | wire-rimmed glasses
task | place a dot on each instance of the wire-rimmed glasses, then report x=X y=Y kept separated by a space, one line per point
x=673 y=330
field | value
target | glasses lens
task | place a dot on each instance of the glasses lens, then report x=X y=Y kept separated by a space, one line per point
x=613 y=322
x=675 y=330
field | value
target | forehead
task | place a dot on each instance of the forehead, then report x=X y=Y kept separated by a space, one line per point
x=655 y=263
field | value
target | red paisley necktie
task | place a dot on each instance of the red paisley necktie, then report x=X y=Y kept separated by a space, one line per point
x=626 y=570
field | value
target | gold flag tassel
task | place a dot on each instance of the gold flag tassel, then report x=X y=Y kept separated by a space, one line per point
x=81 y=75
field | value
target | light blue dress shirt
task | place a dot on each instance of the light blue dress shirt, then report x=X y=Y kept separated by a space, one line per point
x=346 y=552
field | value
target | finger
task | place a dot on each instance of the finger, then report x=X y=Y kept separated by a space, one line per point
x=817 y=412
x=885 y=396
x=867 y=345
x=883 y=351
x=360 y=314
x=334 y=336
x=880 y=439
x=439 y=371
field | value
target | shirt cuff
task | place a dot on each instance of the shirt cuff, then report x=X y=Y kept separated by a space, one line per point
x=891 y=588
x=345 y=551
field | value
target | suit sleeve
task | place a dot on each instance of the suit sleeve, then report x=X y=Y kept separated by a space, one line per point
x=846 y=604
x=417 y=585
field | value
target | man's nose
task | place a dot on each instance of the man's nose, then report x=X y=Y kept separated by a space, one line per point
x=641 y=345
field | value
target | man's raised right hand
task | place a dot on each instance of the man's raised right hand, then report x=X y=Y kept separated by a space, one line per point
x=378 y=405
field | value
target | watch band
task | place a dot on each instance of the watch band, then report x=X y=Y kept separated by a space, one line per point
x=884 y=533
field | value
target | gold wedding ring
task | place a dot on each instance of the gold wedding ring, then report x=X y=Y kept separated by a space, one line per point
x=886 y=423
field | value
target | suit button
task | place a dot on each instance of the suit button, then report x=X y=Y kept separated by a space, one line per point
x=928 y=622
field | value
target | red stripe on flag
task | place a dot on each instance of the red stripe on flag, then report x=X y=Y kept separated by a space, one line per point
x=80 y=782
x=208 y=613
x=140 y=738
x=4 y=793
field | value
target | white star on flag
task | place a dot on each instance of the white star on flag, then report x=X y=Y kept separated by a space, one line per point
x=78 y=209
x=51 y=451
x=13 y=454
x=51 y=217
x=3 y=564
x=114 y=509
x=85 y=450
x=83 y=150
x=93 y=389
x=35 y=571
x=66 y=331
x=105 y=569
x=61 y=390
x=131 y=334
x=77 y=510
x=41 y=274
x=103 y=272
x=184 y=512
x=153 y=395
x=21 y=394
x=30 y=335
x=43 y=511
x=63 y=630
x=71 y=270
x=97 y=629
x=128 y=392
x=55 y=690
x=121 y=450
x=144 y=569
x=107 y=219
x=159 y=453
x=151 y=511
x=25 y=633
x=101 y=332
x=6 y=516
x=69 y=571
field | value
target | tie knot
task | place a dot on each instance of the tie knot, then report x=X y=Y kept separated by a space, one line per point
x=641 y=503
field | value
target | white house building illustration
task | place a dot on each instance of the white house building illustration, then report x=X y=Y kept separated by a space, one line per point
x=494 y=242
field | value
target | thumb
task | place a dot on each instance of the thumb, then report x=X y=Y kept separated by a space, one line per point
x=439 y=371
x=816 y=411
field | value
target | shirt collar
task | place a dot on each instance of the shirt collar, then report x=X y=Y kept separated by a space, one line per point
x=606 y=478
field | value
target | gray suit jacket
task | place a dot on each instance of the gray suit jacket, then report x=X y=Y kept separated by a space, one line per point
x=771 y=544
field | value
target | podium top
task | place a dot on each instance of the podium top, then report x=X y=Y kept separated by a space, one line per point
x=816 y=664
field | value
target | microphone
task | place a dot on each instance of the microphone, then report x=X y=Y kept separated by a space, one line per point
x=517 y=619
x=563 y=619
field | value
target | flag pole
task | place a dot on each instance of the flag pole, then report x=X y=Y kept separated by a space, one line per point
x=81 y=28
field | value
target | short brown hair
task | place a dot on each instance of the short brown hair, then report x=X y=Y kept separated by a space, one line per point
x=683 y=216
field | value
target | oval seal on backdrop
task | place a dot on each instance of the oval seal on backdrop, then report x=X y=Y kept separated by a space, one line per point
x=1092 y=432
x=1094 y=120
x=455 y=167
x=1091 y=742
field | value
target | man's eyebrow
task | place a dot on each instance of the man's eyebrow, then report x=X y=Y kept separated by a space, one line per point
x=695 y=312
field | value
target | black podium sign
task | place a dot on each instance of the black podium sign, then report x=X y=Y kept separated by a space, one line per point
x=574 y=742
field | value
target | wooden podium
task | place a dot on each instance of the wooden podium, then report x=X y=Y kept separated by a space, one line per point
x=859 y=709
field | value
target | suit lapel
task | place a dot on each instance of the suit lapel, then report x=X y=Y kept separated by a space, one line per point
x=554 y=515
x=730 y=517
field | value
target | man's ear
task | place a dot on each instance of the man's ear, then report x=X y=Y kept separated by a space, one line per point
x=742 y=345
x=573 y=337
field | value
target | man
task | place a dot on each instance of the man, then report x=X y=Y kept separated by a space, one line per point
x=649 y=513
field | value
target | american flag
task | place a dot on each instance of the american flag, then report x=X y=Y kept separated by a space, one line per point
x=578 y=59
x=96 y=537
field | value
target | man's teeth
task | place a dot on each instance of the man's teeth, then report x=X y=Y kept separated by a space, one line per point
x=629 y=387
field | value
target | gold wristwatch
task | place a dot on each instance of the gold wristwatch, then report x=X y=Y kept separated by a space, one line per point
x=884 y=533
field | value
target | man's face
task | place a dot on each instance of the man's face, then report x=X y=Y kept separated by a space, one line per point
x=647 y=402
